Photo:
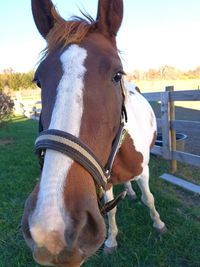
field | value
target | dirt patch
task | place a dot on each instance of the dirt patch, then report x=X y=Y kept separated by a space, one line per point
x=4 y=142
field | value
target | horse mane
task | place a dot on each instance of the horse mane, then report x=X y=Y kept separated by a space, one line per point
x=67 y=32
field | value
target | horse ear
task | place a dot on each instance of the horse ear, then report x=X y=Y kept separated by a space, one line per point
x=42 y=14
x=109 y=16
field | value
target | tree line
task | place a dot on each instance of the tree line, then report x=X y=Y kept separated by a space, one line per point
x=15 y=80
x=164 y=73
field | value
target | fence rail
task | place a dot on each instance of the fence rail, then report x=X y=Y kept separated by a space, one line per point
x=181 y=95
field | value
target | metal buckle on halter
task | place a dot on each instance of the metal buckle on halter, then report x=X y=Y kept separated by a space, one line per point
x=100 y=192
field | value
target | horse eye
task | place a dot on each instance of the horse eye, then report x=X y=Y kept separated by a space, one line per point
x=117 y=78
x=37 y=82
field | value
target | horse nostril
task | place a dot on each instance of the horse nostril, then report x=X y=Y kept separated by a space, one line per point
x=92 y=224
x=93 y=231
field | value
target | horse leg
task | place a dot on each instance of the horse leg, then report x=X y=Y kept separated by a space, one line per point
x=110 y=244
x=130 y=192
x=148 y=200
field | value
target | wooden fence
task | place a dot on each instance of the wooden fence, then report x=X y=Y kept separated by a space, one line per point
x=169 y=126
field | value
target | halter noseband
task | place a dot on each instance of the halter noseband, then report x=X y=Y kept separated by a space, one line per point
x=71 y=146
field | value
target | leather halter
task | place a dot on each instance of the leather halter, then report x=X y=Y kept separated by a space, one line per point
x=71 y=146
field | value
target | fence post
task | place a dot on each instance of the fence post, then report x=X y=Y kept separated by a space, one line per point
x=173 y=167
x=165 y=120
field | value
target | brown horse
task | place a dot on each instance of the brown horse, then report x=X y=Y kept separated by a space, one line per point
x=84 y=106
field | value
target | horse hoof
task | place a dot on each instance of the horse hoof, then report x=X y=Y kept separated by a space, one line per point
x=109 y=250
x=162 y=231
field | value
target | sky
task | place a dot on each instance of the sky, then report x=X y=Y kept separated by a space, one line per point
x=153 y=33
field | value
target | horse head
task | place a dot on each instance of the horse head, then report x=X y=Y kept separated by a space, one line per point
x=80 y=78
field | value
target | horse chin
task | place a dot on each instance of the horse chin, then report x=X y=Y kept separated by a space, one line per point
x=45 y=258
x=61 y=265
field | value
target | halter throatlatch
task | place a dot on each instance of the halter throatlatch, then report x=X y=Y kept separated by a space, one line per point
x=71 y=146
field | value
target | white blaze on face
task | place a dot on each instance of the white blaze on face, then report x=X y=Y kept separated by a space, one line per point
x=66 y=116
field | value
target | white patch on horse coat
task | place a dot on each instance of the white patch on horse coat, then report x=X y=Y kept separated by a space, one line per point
x=111 y=241
x=66 y=116
x=141 y=123
x=141 y=126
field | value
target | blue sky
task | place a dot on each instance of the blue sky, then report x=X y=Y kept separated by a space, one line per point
x=153 y=33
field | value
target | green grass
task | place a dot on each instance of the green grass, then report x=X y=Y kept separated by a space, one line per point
x=139 y=244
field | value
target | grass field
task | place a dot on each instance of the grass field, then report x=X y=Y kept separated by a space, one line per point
x=139 y=244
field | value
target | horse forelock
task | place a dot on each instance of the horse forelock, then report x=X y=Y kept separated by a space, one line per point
x=68 y=32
